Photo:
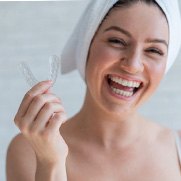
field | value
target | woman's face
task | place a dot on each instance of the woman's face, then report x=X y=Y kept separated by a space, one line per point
x=127 y=57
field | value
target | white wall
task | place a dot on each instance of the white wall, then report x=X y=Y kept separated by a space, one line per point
x=33 y=31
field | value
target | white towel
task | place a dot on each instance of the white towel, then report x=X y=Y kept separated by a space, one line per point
x=74 y=54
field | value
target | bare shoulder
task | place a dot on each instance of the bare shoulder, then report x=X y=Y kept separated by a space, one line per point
x=179 y=132
x=21 y=160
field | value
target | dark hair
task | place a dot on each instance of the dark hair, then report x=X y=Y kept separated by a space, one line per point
x=128 y=3
x=122 y=3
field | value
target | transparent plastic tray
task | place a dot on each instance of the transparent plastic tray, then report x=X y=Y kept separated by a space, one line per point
x=54 y=67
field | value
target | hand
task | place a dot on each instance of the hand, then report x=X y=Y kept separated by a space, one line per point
x=39 y=118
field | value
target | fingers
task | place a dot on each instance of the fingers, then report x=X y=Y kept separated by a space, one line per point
x=37 y=103
x=36 y=110
x=36 y=90
x=39 y=119
x=39 y=112
x=48 y=113
x=56 y=121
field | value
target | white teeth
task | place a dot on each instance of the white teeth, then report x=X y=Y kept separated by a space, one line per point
x=125 y=82
x=121 y=92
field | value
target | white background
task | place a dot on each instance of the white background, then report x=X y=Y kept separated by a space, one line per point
x=32 y=31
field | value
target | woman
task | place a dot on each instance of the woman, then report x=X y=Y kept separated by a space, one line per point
x=122 y=59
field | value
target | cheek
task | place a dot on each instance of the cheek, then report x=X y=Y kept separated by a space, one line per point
x=102 y=55
x=99 y=62
x=157 y=72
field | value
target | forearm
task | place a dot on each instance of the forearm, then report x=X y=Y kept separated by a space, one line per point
x=51 y=173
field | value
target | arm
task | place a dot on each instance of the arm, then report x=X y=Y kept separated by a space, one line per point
x=51 y=172
x=21 y=164
x=40 y=152
x=20 y=161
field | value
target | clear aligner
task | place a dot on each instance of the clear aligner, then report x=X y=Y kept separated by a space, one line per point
x=54 y=68
x=30 y=78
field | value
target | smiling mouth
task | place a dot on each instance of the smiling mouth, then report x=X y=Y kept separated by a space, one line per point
x=123 y=87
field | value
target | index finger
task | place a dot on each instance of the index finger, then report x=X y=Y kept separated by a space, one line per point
x=38 y=89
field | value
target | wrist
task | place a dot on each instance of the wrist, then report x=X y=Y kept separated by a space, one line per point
x=51 y=172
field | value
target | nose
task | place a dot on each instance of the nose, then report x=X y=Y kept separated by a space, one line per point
x=132 y=62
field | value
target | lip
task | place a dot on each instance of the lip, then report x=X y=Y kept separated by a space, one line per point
x=116 y=95
x=125 y=78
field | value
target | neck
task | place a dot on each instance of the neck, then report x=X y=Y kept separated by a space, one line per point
x=106 y=128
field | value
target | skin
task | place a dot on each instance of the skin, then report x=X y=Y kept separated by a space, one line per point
x=107 y=139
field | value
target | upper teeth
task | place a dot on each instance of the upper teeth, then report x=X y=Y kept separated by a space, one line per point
x=125 y=82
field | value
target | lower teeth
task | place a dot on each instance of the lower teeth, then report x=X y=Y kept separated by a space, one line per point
x=121 y=92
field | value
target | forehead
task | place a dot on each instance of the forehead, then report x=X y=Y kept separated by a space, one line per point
x=139 y=17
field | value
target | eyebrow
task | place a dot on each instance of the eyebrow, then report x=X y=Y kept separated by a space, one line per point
x=116 y=28
x=158 y=41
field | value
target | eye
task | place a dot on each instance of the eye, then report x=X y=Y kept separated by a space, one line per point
x=155 y=51
x=117 y=42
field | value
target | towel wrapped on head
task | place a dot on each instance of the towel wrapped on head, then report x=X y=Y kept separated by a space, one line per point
x=75 y=52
